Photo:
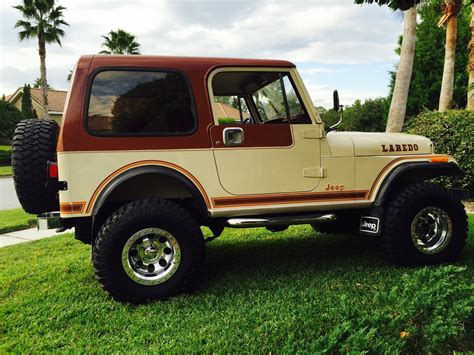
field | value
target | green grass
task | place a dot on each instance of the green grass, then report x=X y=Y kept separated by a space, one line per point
x=16 y=219
x=260 y=292
x=5 y=171
x=5 y=148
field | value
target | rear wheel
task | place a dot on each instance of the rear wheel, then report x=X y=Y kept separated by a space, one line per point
x=147 y=250
x=424 y=224
x=34 y=144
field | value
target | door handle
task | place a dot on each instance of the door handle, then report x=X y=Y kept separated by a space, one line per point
x=233 y=136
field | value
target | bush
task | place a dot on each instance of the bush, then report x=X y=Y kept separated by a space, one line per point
x=370 y=116
x=451 y=133
x=426 y=312
x=228 y=121
x=5 y=155
x=9 y=118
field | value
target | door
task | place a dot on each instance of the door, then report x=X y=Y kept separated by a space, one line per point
x=267 y=143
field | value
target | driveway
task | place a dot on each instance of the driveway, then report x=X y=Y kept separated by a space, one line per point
x=8 y=199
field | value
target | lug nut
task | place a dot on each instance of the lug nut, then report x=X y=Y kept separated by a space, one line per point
x=162 y=262
x=167 y=251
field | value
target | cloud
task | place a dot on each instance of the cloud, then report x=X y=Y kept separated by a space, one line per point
x=314 y=34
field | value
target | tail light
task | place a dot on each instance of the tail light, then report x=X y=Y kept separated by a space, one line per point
x=52 y=171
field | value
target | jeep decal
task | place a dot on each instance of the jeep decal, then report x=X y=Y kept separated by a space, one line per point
x=399 y=148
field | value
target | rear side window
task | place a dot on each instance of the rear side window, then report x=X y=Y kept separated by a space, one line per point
x=130 y=102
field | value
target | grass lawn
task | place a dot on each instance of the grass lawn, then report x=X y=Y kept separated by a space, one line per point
x=260 y=292
x=13 y=220
x=6 y=170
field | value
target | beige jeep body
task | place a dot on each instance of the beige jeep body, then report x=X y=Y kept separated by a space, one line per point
x=144 y=158
x=308 y=170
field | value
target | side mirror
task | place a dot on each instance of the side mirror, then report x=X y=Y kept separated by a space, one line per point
x=337 y=106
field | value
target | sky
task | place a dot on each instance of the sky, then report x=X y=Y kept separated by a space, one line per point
x=334 y=43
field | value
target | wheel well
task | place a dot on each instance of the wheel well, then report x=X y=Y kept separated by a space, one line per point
x=410 y=173
x=148 y=182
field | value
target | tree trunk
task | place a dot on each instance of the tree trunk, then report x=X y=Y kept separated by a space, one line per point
x=44 y=82
x=398 y=107
x=446 y=96
x=470 y=93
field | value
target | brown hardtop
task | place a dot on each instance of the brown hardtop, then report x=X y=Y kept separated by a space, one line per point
x=183 y=63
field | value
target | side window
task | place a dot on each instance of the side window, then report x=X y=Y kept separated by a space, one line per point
x=230 y=109
x=270 y=102
x=295 y=107
x=259 y=97
x=140 y=103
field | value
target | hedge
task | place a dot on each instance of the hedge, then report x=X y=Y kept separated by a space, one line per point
x=5 y=155
x=10 y=116
x=452 y=132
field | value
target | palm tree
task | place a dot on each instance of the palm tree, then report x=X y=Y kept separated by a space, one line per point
x=37 y=84
x=451 y=9
x=42 y=20
x=120 y=42
x=398 y=106
x=470 y=92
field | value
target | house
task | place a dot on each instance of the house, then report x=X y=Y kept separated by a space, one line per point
x=56 y=100
x=227 y=111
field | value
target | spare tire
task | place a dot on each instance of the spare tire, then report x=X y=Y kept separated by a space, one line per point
x=34 y=144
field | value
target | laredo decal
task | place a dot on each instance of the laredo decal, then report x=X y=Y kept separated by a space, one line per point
x=399 y=148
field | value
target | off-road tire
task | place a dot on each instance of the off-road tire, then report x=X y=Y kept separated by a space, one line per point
x=34 y=144
x=122 y=224
x=400 y=211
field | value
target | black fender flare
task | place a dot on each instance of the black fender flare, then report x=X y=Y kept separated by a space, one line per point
x=150 y=169
x=412 y=172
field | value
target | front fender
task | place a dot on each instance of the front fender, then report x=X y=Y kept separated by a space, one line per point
x=413 y=172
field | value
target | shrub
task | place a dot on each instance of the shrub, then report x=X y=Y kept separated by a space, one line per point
x=427 y=312
x=5 y=155
x=451 y=133
x=26 y=105
x=9 y=118
x=370 y=116
x=227 y=121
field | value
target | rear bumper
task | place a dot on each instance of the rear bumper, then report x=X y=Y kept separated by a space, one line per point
x=49 y=220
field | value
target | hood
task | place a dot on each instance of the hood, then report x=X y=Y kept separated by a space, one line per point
x=366 y=144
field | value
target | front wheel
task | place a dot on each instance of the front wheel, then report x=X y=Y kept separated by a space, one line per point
x=147 y=250
x=424 y=224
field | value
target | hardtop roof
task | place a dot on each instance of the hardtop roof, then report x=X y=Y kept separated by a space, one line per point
x=181 y=62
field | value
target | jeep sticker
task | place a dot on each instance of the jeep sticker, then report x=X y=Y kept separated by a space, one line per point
x=369 y=224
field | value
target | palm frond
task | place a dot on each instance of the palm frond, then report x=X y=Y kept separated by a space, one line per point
x=450 y=8
x=120 y=42
x=46 y=20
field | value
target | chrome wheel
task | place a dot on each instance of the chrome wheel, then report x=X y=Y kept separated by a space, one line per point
x=431 y=230
x=151 y=256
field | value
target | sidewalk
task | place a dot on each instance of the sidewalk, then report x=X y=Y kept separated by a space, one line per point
x=28 y=235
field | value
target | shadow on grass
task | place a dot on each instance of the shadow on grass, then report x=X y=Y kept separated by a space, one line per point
x=285 y=255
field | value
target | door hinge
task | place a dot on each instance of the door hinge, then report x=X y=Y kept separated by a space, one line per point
x=312 y=134
x=314 y=172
